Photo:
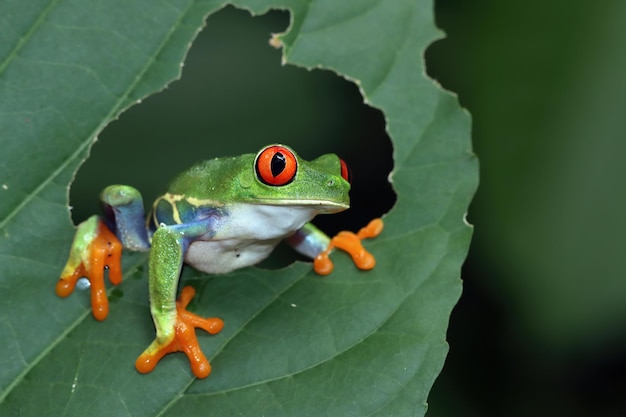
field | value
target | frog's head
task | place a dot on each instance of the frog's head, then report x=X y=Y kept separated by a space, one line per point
x=277 y=176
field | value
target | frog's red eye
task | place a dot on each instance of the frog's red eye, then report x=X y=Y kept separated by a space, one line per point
x=276 y=165
x=345 y=171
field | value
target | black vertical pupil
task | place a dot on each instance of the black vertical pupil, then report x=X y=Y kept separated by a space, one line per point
x=278 y=164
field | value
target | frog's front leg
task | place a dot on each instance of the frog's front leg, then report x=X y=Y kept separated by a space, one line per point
x=175 y=326
x=312 y=242
x=98 y=245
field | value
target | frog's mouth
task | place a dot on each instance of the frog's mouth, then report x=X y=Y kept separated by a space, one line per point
x=321 y=206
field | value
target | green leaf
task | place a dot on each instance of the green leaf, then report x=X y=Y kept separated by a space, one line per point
x=351 y=344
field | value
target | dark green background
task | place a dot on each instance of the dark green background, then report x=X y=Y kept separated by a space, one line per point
x=235 y=97
x=541 y=327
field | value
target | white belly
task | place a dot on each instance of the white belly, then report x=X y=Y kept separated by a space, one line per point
x=246 y=236
x=217 y=257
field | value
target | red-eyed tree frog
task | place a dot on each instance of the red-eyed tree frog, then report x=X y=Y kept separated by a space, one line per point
x=217 y=216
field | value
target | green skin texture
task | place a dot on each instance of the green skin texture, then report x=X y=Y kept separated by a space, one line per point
x=219 y=216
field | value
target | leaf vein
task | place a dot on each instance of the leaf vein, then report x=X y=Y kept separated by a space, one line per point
x=24 y=39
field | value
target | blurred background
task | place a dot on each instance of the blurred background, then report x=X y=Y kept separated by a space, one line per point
x=541 y=326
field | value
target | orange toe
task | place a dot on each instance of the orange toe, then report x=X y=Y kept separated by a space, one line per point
x=184 y=340
x=350 y=243
x=104 y=251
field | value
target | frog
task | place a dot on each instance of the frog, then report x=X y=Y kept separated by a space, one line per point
x=218 y=216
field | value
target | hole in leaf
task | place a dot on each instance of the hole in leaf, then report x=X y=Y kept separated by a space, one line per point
x=235 y=97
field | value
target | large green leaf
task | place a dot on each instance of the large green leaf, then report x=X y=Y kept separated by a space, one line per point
x=350 y=344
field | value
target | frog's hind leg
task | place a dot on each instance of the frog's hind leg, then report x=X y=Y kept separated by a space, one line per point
x=175 y=326
x=96 y=247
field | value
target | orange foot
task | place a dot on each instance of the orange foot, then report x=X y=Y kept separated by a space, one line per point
x=94 y=248
x=183 y=340
x=350 y=243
